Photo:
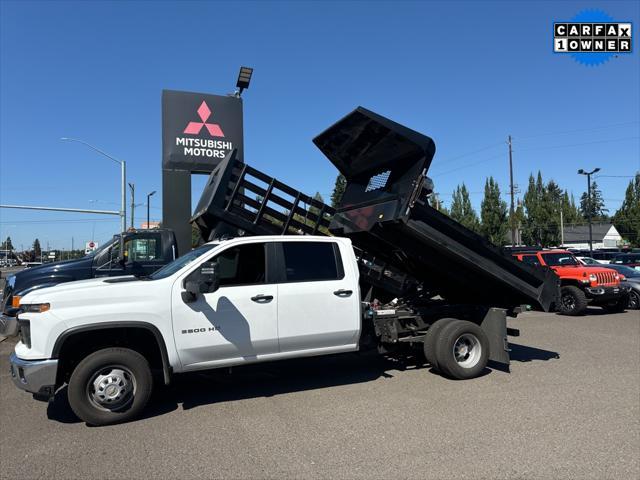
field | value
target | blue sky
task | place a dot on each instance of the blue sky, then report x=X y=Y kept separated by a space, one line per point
x=465 y=73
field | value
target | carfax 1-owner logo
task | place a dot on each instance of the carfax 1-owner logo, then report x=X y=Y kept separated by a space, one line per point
x=592 y=37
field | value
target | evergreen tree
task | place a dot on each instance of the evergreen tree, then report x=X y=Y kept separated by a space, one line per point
x=316 y=210
x=627 y=218
x=598 y=212
x=37 y=251
x=532 y=203
x=7 y=245
x=551 y=207
x=338 y=190
x=570 y=213
x=461 y=209
x=493 y=213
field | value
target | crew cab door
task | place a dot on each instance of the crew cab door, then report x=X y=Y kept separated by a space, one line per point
x=237 y=322
x=318 y=297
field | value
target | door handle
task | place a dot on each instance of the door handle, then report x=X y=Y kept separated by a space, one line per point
x=262 y=298
x=343 y=293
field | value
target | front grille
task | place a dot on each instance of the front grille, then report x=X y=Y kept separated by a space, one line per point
x=25 y=332
x=606 y=278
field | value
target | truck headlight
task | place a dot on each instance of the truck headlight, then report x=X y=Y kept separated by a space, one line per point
x=593 y=277
x=35 y=307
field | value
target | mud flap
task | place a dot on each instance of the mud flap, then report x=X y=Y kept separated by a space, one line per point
x=495 y=326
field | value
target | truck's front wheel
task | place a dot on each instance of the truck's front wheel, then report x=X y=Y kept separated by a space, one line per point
x=110 y=386
x=572 y=301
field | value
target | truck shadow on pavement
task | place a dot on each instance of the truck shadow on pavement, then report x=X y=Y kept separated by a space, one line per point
x=196 y=389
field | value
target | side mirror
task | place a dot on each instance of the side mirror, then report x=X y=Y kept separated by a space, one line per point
x=209 y=276
x=205 y=280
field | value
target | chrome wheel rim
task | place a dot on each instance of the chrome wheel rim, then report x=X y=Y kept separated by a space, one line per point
x=467 y=350
x=112 y=388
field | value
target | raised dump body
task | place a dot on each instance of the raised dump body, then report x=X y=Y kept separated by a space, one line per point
x=241 y=200
x=385 y=212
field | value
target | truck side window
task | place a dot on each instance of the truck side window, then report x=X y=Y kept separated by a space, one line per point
x=143 y=249
x=242 y=265
x=309 y=261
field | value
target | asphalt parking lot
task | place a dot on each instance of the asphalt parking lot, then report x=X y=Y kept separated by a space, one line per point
x=569 y=409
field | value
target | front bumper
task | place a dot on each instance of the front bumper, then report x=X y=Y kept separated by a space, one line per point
x=8 y=325
x=35 y=376
x=605 y=294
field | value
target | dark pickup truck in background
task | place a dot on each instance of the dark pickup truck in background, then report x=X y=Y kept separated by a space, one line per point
x=145 y=251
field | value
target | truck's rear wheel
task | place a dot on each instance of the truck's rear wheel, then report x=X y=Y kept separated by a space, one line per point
x=462 y=350
x=572 y=301
x=110 y=386
x=431 y=338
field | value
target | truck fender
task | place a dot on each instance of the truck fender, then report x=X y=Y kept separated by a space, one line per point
x=166 y=366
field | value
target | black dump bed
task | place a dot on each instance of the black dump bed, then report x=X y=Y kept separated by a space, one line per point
x=399 y=240
x=385 y=212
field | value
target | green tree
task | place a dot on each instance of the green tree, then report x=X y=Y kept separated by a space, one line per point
x=598 y=212
x=316 y=210
x=7 y=245
x=338 y=190
x=551 y=207
x=493 y=213
x=37 y=251
x=627 y=218
x=532 y=203
x=570 y=212
x=461 y=209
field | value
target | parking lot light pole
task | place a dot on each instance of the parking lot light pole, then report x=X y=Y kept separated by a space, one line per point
x=588 y=174
x=148 y=206
x=123 y=185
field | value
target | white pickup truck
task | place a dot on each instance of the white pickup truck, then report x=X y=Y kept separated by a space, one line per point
x=226 y=303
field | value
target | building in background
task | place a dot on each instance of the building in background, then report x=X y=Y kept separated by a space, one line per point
x=604 y=235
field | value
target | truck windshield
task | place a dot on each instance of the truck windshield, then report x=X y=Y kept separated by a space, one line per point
x=171 y=268
x=556 y=259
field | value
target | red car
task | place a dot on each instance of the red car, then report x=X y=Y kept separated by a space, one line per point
x=581 y=285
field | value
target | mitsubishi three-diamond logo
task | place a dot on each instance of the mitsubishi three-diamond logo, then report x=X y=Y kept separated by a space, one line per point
x=204 y=112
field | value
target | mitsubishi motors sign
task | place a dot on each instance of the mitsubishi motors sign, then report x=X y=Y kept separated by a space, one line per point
x=199 y=130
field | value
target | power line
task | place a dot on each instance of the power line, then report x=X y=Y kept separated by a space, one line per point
x=465 y=166
x=566 y=132
x=580 y=144
x=488 y=147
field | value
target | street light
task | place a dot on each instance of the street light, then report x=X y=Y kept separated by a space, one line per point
x=244 y=78
x=123 y=185
x=588 y=174
x=148 y=201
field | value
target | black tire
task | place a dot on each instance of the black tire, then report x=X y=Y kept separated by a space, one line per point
x=617 y=307
x=572 y=301
x=431 y=339
x=120 y=370
x=469 y=364
x=634 y=300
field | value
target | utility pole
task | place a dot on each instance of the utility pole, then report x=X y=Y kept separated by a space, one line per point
x=511 y=208
x=561 y=229
x=148 y=206
x=588 y=174
x=132 y=187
